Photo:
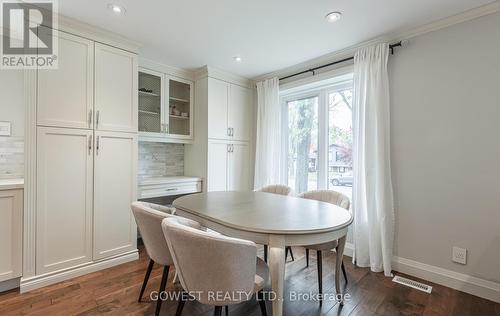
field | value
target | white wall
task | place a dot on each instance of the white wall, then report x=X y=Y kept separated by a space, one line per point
x=445 y=91
x=11 y=100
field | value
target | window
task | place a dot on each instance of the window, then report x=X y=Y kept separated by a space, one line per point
x=318 y=136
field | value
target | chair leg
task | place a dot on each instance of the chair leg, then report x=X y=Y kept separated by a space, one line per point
x=180 y=306
x=287 y=249
x=162 y=288
x=265 y=253
x=218 y=311
x=291 y=253
x=146 y=278
x=262 y=303
x=227 y=310
x=307 y=257
x=343 y=271
x=320 y=273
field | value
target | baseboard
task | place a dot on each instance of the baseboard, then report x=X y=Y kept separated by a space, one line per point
x=39 y=281
x=9 y=284
x=458 y=281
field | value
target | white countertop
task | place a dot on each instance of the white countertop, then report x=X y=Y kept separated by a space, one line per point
x=9 y=184
x=166 y=180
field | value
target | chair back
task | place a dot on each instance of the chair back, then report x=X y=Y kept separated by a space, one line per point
x=148 y=217
x=211 y=265
x=328 y=196
x=276 y=189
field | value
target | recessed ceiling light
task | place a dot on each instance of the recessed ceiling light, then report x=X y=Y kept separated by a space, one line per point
x=333 y=16
x=116 y=8
x=237 y=59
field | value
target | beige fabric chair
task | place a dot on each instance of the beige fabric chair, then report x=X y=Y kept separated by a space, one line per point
x=148 y=217
x=280 y=189
x=277 y=189
x=338 y=199
x=213 y=266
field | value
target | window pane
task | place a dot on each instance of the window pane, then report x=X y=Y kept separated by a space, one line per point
x=340 y=138
x=303 y=144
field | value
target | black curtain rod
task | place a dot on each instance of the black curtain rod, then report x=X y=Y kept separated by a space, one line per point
x=313 y=70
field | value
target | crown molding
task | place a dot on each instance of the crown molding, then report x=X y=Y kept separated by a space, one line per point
x=396 y=36
x=209 y=71
x=170 y=70
x=73 y=26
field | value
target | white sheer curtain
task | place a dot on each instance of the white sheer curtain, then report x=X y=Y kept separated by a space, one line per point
x=372 y=192
x=268 y=143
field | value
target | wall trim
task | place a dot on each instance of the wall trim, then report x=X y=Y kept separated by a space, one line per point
x=209 y=71
x=458 y=281
x=390 y=37
x=32 y=283
x=169 y=70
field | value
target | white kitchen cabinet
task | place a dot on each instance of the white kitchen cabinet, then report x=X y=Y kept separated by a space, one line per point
x=11 y=232
x=115 y=188
x=229 y=167
x=239 y=168
x=64 y=198
x=230 y=111
x=116 y=89
x=217 y=166
x=165 y=108
x=240 y=113
x=218 y=99
x=65 y=95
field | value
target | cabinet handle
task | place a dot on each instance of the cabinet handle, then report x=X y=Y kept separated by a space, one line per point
x=97 y=119
x=90 y=118
x=229 y=131
x=228 y=148
x=90 y=144
x=97 y=146
x=232 y=131
x=167 y=128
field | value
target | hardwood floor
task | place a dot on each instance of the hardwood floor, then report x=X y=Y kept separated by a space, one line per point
x=114 y=291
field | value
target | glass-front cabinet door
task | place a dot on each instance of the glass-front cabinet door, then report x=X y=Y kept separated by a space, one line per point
x=180 y=100
x=151 y=103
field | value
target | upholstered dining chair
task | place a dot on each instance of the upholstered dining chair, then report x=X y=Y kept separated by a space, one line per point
x=219 y=270
x=280 y=189
x=338 y=199
x=148 y=217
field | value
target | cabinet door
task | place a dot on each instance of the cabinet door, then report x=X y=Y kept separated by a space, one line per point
x=239 y=169
x=180 y=108
x=11 y=234
x=65 y=95
x=116 y=89
x=240 y=113
x=217 y=166
x=151 y=103
x=115 y=186
x=64 y=198
x=218 y=94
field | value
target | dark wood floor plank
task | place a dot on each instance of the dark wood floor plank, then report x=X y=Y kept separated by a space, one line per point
x=114 y=291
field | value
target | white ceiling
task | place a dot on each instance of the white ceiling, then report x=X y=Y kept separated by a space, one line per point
x=268 y=34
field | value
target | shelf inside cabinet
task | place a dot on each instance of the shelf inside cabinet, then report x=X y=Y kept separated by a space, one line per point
x=148 y=94
x=149 y=112
x=179 y=100
x=179 y=117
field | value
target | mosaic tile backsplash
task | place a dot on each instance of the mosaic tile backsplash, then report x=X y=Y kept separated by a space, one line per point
x=160 y=160
x=11 y=157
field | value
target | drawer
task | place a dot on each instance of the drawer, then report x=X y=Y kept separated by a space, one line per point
x=167 y=189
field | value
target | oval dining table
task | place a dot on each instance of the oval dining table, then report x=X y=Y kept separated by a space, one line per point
x=270 y=219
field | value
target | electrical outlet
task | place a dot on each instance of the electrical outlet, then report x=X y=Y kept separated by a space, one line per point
x=459 y=255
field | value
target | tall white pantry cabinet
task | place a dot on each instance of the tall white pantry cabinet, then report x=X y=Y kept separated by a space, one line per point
x=86 y=158
x=223 y=149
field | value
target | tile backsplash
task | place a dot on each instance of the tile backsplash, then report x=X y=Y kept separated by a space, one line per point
x=11 y=157
x=160 y=160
